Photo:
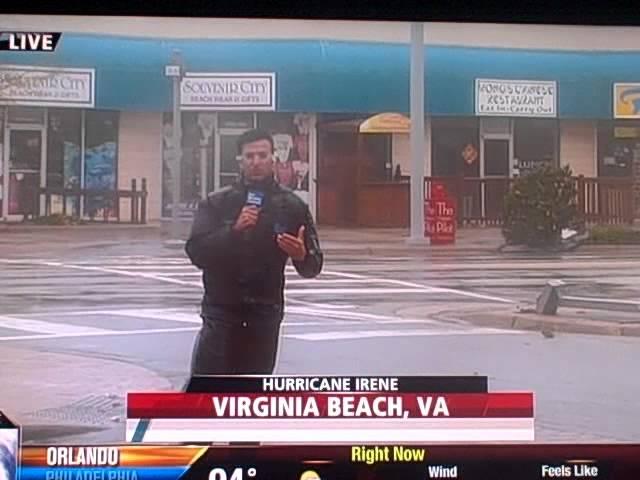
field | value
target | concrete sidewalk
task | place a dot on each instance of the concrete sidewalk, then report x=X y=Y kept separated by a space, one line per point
x=573 y=321
x=58 y=382
x=28 y=240
x=374 y=240
x=335 y=240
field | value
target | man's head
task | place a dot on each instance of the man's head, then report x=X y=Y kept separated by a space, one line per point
x=256 y=149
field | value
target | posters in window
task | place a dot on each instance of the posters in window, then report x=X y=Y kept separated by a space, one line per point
x=71 y=174
x=100 y=157
x=284 y=172
x=1 y=158
x=291 y=148
x=71 y=165
x=100 y=175
x=100 y=166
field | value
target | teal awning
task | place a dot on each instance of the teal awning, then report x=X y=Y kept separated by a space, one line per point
x=339 y=77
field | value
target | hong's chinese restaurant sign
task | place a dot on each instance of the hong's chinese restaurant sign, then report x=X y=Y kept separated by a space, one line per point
x=516 y=98
x=228 y=91
x=47 y=87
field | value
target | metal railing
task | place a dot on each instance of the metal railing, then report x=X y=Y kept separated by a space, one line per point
x=94 y=205
x=480 y=201
x=553 y=296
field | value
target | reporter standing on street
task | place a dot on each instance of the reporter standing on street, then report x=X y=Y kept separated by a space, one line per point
x=242 y=237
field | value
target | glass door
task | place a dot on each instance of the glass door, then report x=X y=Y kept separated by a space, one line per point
x=497 y=154
x=23 y=172
x=227 y=160
x=497 y=157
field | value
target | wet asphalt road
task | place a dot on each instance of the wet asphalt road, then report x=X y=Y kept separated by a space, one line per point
x=140 y=307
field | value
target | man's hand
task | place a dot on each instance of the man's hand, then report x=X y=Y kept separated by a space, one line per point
x=247 y=219
x=293 y=246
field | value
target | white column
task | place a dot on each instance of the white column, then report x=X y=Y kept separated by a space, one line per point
x=83 y=119
x=4 y=162
x=417 y=131
x=177 y=160
x=43 y=162
x=313 y=166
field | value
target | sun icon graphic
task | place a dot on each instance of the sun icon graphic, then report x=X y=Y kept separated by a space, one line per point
x=310 y=475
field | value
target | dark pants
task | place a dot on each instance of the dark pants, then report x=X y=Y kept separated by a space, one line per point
x=237 y=340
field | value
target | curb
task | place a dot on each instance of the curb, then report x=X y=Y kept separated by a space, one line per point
x=178 y=245
x=408 y=252
x=543 y=323
x=83 y=228
x=564 y=247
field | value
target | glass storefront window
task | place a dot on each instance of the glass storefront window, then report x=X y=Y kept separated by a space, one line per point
x=25 y=157
x=535 y=142
x=454 y=147
x=101 y=158
x=63 y=148
x=291 y=135
x=618 y=148
x=2 y=114
x=229 y=159
x=496 y=157
x=196 y=162
x=377 y=154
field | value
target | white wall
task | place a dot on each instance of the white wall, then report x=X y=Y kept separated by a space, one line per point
x=578 y=146
x=401 y=151
x=555 y=37
x=140 y=156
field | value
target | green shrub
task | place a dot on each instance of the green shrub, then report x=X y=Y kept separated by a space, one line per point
x=614 y=235
x=539 y=205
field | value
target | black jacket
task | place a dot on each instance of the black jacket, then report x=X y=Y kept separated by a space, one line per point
x=248 y=267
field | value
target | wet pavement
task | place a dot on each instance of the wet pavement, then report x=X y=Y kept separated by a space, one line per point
x=87 y=322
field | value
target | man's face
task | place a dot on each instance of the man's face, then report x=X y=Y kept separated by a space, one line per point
x=257 y=160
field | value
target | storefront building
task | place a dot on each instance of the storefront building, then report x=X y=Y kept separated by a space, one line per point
x=96 y=114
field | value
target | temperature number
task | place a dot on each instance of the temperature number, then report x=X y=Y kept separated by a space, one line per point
x=236 y=474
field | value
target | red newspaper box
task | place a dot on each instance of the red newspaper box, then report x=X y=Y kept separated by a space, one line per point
x=440 y=216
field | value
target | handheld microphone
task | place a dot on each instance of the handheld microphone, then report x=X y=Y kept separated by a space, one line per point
x=255 y=198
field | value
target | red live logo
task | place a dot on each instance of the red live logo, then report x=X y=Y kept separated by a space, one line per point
x=30 y=41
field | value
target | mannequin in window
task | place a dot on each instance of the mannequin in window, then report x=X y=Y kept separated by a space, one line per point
x=301 y=162
x=284 y=171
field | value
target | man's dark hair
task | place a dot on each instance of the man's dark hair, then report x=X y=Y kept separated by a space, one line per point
x=254 y=135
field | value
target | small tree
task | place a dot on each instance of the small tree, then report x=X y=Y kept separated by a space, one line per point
x=539 y=206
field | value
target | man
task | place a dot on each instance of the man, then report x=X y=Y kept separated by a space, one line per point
x=242 y=238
